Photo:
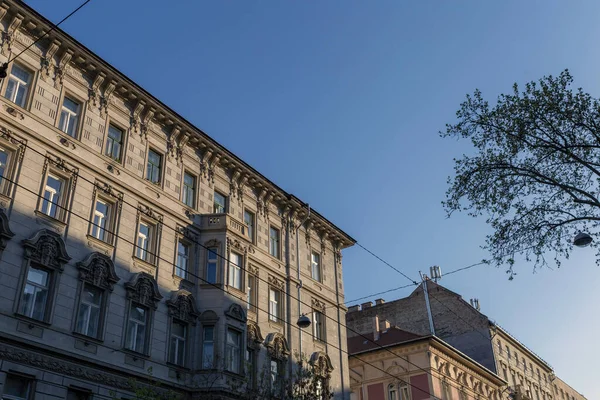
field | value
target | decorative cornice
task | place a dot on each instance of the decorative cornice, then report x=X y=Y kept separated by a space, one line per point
x=99 y=270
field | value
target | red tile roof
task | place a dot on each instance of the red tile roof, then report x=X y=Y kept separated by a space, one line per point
x=391 y=336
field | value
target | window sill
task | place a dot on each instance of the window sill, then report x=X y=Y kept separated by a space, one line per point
x=177 y=367
x=48 y=220
x=100 y=244
x=135 y=355
x=31 y=321
x=149 y=267
x=86 y=338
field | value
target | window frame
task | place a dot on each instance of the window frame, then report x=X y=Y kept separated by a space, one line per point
x=11 y=166
x=185 y=189
x=235 y=271
x=275 y=248
x=151 y=255
x=123 y=142
x=252 y=292
x=319 y=330
x=319 y=267
x=51 y=279
x=147 y=327
x=214 y=249
x=79 y=392
x=278 y=305
x=64 y=198
x=240 y=345
x=204 y=363
x=224 y=205
x=30 y=385
x=29 y=84
x=185 y=339
x=251 y=228
x=110 y=220
x=80 y=111
x=101 y=311
x=189 y=258
x=161 y=158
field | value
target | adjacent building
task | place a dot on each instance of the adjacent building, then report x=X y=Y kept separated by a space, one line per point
x=445 y=316
x=392 y=364
x=135 y=246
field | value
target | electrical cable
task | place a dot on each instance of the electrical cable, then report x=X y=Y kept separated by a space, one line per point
x=4 y=66
x=220 y=256
x=246 y=301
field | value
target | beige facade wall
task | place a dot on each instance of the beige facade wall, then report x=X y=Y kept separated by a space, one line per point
x=61 y=68
x=526 y=373
x=427 y=369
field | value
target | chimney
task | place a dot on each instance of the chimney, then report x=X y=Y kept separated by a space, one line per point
x=379 y=301
x=384 y=325
x=376 y=327
x=475 y=304
x=354 y=308
x=366 y=305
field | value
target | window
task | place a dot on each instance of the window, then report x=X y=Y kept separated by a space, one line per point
x=183 y=254
x=145 y=242
x=69 y=116
x=208 y=347
x=249 y=221
x=235 y=271
x=177 y=343
x=73 y=394
x=114 y=143
x=53 y=201
x=318 y=326
x=136 y=328
x=316 y=266
x=18 y=85
x=392 y=395
x=499 y=347
x=251 y=367
x=274 y=304
x=211 y=265
x=17 y=387
x=277 y=375
x=274 y=242
x=508 y=352
x=35 y=293
x=5 y=175
x=404 y=392
x=220 y=203
x=154 y=166
x=189 y=190
x=101 y=226
x=90 y=306
x=252 y=292
x=233 y=351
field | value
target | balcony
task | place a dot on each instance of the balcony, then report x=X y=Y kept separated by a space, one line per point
x=223 y=222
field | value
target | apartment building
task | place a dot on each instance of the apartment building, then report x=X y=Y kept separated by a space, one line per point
x=462 y=326
x=134 y=246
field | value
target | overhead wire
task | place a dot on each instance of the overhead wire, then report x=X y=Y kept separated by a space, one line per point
x=218 y=255
x=4 y=66
x=288 y=323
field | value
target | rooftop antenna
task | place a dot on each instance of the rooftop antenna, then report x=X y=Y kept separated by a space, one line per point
x=436 y=273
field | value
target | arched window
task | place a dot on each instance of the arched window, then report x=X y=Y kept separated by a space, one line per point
x=392 y=394
x=404 y=392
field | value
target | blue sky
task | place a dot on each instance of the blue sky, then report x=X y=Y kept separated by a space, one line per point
x=340 y=102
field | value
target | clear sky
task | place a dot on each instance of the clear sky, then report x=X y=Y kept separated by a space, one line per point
x=339 y=102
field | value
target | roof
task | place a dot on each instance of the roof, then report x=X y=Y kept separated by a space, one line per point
x=113 y=73
x=391 y=336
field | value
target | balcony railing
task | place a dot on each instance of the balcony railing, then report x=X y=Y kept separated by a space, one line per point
x=223 y=222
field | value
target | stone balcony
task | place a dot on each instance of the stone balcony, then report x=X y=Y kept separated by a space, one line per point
x=223 y=222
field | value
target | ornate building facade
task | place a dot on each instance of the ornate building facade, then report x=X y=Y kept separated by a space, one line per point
x=462 y=326
x=132 y=245
x=399 y=365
